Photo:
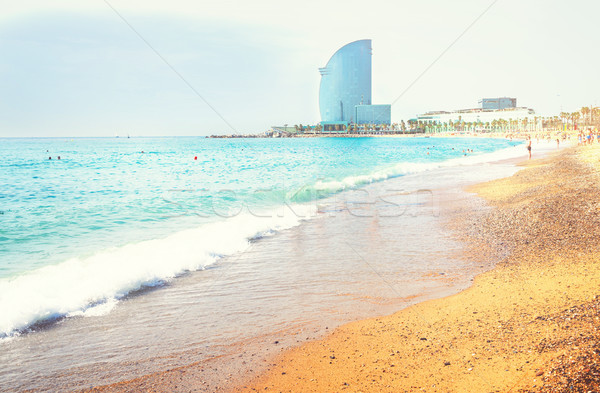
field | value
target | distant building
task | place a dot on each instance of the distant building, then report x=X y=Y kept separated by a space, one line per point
x=478 y=115
x=498 y=103
x=345 y=82
x=373 y=114
x=345 y=90
x=503 y=108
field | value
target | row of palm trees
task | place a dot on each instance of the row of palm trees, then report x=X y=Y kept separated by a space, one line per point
x=499 y=125
x=586 y=117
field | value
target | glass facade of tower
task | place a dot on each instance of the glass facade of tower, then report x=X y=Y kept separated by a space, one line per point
x=373 y=114
x=346 y=82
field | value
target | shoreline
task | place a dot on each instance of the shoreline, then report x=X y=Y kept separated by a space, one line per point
x=176 y=373
x=565 y=136
x=386 y=135
x=201 y=376
x=137 y=320
x=526 y=325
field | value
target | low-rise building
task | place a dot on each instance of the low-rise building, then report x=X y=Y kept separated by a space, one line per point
x=498 y=103
x=478 y=115
x=494 y=113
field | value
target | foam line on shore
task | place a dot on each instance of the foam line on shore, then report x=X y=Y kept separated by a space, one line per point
x=525 y=325
x=92 y=286
x=329 y=186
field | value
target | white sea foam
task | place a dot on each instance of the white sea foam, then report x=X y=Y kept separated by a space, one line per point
x=92 y=286
x=404 y=168
x=96 y=310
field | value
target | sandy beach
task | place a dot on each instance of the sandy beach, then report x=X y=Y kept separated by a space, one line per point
x=237 y=197
x=216 y=327
x=527 y=325
x=530 y=324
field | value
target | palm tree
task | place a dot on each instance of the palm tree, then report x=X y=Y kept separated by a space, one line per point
x=585 y=111
x=595 y=115
x=575 y=117
x=503 y=124
x=565 y=117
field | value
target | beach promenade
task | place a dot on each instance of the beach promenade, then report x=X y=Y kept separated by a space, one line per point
x=530 y=324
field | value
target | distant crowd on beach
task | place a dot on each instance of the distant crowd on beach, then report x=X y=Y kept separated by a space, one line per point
x=588 y=138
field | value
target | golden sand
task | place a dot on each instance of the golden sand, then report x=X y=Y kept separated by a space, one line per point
x=530 y=324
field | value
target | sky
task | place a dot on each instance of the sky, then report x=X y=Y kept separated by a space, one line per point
x=179 y=67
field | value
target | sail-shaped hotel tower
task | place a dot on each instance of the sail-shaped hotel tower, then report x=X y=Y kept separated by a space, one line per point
x=345 y=90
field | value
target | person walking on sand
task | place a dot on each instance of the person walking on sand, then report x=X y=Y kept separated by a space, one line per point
x=529 y=146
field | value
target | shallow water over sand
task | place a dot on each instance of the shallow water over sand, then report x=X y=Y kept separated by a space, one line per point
x=367 y=252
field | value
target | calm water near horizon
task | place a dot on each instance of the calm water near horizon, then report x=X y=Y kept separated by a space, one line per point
x=129 y=256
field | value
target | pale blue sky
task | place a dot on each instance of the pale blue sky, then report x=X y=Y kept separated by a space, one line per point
x=72 y=69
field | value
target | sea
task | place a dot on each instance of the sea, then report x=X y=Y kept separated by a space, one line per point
x=121 y=257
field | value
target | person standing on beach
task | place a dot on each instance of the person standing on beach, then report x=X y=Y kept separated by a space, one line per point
x=529 y=146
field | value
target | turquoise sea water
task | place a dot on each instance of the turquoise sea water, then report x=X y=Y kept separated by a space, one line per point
x=117 y=214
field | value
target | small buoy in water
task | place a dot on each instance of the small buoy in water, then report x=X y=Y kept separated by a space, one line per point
x=195 y=157
x=49 y=158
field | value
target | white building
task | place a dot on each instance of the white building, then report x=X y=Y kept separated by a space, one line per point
x=479 y=115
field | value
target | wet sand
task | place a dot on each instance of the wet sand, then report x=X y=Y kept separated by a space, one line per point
x=530 y=324
x=359 y=293
x=381 y=258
